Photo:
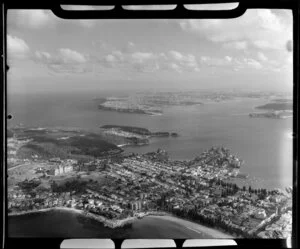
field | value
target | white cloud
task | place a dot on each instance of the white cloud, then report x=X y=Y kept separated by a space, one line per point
x=65 y=61
x=141 y=56
x=147 y=61
x=260 y=28
x=252 y=63
x=175 y=67
x=16 y=47
x=185 y=61
x=110 y=58
x=118 y=54
x=71 y=56
x=176 y=55
x=228 y=58
x=261 y=56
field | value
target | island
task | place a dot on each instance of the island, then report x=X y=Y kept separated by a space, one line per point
x=277 y=109
x=277 y=106
x=130 y=135
x=272 y=115
x=127 y=105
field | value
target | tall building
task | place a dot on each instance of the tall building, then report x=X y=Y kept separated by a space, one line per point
x=60 y=169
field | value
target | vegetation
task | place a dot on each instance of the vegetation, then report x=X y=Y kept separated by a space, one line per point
x=137 y=130
x=64 y=144
x=278 y=106
x=69 y=186
x=28 y=186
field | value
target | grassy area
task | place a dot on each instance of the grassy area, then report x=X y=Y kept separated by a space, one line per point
x=64 y=144
x=278 y=106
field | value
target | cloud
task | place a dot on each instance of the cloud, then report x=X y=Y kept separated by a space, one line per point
x=16 y=47
x=261 y=56
x=129 y=48
x=185 y=61
x=64 y=61
x=176 y=61
x=71 y=56
x=142 y=56
x=252 y=63
x=228 y=58
x=260 y=28
x=174 y=67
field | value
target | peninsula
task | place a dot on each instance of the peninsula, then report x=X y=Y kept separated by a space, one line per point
x=133 y=135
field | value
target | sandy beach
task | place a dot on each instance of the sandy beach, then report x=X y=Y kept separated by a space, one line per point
x=43 y=210
x=196 y=227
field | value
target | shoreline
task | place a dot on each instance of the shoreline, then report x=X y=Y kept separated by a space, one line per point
x=112 y=224
x=106 y=222
x=196 y=227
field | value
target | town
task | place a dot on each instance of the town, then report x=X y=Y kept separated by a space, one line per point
x=123 y=186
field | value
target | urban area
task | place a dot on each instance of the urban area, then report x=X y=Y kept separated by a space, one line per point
x=123 y=187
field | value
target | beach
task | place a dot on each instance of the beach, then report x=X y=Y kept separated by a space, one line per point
x=195 y=227
x=161 y=221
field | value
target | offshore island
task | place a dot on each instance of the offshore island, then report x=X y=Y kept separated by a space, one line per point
x=277 y=109
x=86 y=173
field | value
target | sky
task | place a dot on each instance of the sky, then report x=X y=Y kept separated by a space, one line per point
x=49 y=54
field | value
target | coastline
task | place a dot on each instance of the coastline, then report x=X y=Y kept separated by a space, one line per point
x=44 y=210
x=196 y=227
x=106 y=222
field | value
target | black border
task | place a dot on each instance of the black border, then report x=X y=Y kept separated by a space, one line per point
x=178 y=12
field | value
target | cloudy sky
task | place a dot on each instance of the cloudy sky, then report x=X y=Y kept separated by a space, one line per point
x=46 y=53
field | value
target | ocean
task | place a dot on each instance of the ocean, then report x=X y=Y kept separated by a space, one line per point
x=264 y=144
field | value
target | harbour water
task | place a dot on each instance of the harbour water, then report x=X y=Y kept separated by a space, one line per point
x=54 y=225
x=264 y=144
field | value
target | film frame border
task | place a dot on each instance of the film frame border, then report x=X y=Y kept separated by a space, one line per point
x=178 y=13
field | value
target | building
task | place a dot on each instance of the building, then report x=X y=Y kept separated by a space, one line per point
x=260 y=214
x=88 y=167
x=55 y=160
x=136 y=205
x=60 y=169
